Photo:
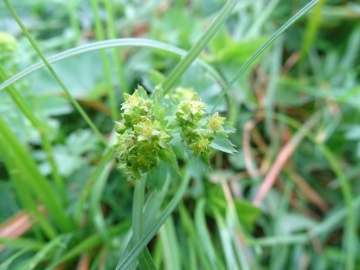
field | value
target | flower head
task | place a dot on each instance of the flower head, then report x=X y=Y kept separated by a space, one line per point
x=214 y=124
x=144 y=136
x=141 y=137
x=200 y=146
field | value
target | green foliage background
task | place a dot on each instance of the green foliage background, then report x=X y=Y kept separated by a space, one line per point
x=63 y=76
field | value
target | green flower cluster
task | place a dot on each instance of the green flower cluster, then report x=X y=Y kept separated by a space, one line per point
x=142 y=139
x=194 y=133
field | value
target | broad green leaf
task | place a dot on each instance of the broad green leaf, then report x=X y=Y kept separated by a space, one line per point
x=222 y=143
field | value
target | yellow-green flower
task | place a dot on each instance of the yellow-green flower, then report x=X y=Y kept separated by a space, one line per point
x=146 y=130
x=215 y=123
x=131 y=101
x=200 y=146
x=119 y=127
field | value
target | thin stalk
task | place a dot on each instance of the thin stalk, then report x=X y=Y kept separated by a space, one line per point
x=108 y=78
x=138 y=204
x=145 y=260
x=53 y=73
x=198 y=47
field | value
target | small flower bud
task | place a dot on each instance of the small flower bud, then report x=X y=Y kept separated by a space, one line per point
x=200 y=147
x=215 y=123
x=120 y=127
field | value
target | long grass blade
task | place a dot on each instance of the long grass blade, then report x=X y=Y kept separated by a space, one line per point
x=30 y=175
x=112 y=43
x=22 y=105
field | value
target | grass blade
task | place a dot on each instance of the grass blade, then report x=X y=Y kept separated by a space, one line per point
x=127 y=260
x=123 y=42
x=30 y=176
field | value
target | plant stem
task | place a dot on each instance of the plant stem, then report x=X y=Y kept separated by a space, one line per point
x=138 y=203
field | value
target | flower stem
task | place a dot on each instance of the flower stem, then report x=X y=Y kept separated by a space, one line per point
x=138 y=203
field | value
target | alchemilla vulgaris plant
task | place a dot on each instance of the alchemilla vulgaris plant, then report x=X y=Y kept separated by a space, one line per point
x=147 y=127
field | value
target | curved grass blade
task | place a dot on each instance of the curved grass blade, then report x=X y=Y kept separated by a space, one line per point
x=111 y=43
x=170 y=245
x=20 y=242
x=96 y=212
x=6 y=264
x=45 y=251
x=204 y=235
x=92 y=241
x=194 y=240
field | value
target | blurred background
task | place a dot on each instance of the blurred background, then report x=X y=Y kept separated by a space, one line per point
x=295 y=111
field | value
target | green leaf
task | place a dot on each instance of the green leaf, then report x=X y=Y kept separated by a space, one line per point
x=230 y=50
x=223 y=144
x=294 y=222
x=247 y=213
x=82 y=141
x=168 y=156
x=142 y=92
